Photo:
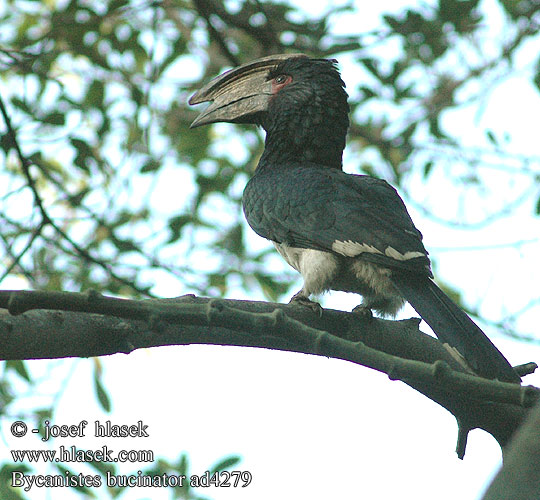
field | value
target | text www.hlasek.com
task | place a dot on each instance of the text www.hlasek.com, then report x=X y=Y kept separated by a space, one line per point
x=66 y=454
x=72 y=454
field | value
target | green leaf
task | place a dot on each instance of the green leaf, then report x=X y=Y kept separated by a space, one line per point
x=151 y=165
x=372 y=66
x=20 y=368
x=271 y=288
x=461 y=14
x=6 y=491
x=182 y=466
x=428 y=167
x=536 y=78
x=22 y=105
x=176 y=226
x=519 y=8
x=225 y=463
x=219 y=281
x=125 y=245
x=43 y=414
x=101 y=393
x=103 y=467
x=233 y=240
x=367 y=92
x=491 y=137
x=95 y=94
x=81 y=146
x=83 y=155
x=55 y=118
x=6 y=143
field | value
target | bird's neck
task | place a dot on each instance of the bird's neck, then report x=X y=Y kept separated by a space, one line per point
x=321 y=142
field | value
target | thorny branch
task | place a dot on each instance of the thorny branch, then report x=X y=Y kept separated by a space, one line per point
x=396 y=348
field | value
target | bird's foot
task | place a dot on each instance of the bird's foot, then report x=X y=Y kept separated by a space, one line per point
x=363 y=311
x=302 y=300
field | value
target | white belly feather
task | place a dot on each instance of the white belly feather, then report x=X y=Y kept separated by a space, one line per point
x=318 y=269
x=324 y=271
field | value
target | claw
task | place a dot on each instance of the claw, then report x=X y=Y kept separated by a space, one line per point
x=302 y=300
x=363 y=311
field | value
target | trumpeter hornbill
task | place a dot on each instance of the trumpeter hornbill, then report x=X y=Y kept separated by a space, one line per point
x=340 y=231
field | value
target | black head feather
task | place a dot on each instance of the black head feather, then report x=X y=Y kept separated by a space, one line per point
x=307 y=119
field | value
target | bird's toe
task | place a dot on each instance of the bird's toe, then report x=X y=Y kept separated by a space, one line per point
x=363 y=311
x=305 y=302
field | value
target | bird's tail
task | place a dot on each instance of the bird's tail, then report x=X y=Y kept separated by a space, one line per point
x=454 y=327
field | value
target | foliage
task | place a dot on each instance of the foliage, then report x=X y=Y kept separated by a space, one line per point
x=121 y=196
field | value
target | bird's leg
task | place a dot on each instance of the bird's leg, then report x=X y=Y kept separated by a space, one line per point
x=302 y=299
x=386 y=305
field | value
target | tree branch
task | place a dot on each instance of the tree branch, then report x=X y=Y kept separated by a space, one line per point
x=396 y=348
x=519 y=477
x=17 y=258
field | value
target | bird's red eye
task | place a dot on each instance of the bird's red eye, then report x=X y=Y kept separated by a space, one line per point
x=280 y=81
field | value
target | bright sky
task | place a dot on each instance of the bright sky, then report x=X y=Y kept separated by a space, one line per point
x=309 y=427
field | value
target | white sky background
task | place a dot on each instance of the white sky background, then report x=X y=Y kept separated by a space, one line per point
x=308 y=427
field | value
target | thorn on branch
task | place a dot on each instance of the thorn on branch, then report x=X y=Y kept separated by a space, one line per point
x=441 y=370
x=121 y=331
x=186 y=297
x=414 y=321
x=213 y=309
x=129 y=348
x=393 y=373
x=525 y=369
x=16 y=304
x=463 y=434
x=93 y=295
x=58 y=317
x=278 y=318
x=529 y=396
x=155 y=323
x=318 y=342
x=6 y=326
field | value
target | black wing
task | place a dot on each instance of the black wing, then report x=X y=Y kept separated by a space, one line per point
x=326 y=209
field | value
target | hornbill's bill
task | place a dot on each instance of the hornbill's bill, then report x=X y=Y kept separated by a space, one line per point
x=340 y=231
